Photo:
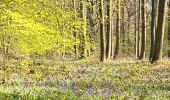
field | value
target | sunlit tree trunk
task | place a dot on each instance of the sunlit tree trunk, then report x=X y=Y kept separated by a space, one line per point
x=153 y=27
x=102 y=32
x=136 y=51
x=169 y=30
x=75 y=33
x=123 y=28
x=90 y=26
x=3 y=51
x=139 y=28
x=92 y=23
x=160 y=31
x=143 y=42
x=3 y=45
x=117 y=30
x=83 y=39
x=109 y=28
x=112 y=37
x=128 y=28
x=63 y=29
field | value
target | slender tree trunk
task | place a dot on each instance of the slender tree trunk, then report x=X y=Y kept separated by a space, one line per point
x=3 y=45
x=139 y=28
x=91 y=24
x=142 y=55
x=4 y=50
x=136 y=51
x=8 y=45
x=112 y=43
x=169 y=30
x=75 y=33
x=153 y=27
x=123 y=29
x=62 y=30
x=102 y=33
x=160 y=31
x=109 y=28
x=112 y=38
x=117 y=30
x=83 y=53
x=128 y=33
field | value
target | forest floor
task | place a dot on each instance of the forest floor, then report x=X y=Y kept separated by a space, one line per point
x=86 y=80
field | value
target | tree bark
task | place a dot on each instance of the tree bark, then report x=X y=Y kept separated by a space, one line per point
x=83 y=40
x=160 y=31
x=109 y=28
x=153 y=27
x=102 y=33
x=128 y=26
x=169 y=30
x=117 y=31
x=136 y=51
x=123 y=26
x=75 y=33
x=143 y=42
x=139 y=28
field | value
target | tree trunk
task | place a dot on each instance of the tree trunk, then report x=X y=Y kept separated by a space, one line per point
x=75 y=33
x=139 y=28
x=169 y=30
x=109 y=28
x=62 y=31
x=102 y=33
x=143 y=42
x=153 y=27
x=117 y=31
x=83 y=40
x=112 y=38
x=136 y=51
x=92 y=25
x=123 y=28
x=160 y=31
x=128 y=33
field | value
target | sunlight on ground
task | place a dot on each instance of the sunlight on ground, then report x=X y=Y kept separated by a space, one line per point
x=86 y=80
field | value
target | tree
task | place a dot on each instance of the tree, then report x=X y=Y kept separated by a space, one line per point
x=169 y=30
x=109 y=29
x=136 y=51
x=123 y=24
x=143 y=41
x=153 y=26
x=68 y=28
x=83 y=39
x=117 y=30
x=160 y=31
x=75 y=33
x=139 y=28
x=102 y=33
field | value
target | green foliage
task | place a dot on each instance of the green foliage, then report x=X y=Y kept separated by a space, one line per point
x=38 y=27
x=35 y=93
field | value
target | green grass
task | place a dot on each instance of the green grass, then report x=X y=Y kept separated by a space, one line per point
x=83 y=80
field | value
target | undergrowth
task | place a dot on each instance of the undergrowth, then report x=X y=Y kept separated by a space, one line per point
x=83 y=80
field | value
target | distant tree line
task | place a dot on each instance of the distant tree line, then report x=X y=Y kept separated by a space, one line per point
x=124 y=28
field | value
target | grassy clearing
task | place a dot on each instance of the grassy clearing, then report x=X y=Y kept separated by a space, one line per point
x=82 y=80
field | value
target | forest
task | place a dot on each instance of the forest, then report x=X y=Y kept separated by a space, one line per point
x=84 y=50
